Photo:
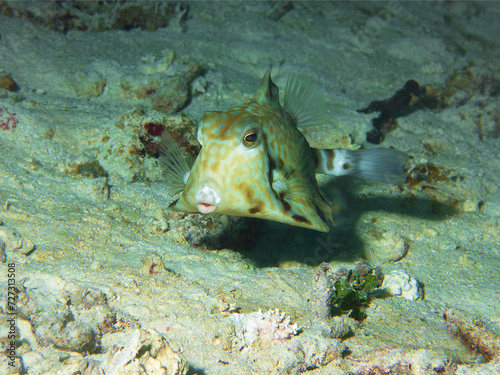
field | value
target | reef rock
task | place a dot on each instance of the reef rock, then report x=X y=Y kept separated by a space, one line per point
x=141 y=352
x=259 y=328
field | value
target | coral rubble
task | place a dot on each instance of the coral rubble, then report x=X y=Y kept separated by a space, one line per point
x=264 y=328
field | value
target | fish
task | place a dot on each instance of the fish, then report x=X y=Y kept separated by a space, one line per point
x=255 y=162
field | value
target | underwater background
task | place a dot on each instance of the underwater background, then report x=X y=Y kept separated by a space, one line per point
x=98 y=276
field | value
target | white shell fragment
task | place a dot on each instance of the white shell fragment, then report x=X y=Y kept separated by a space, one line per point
x=399 y=283
x=266 y=327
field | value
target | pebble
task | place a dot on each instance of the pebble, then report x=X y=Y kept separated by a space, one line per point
x=390 y=248
x=469 y=206
x=7 y=83
x=429 y=232
x=89 y=84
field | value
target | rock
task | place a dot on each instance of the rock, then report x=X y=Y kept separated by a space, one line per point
x=399 y=283
x=95 y=15
x=166 y=88
x=95 y=188
x=134 y=350
x=395 y=361
x=89 y=84
x=3 y=255
x=302 y=353
x=390 y=248
x=429 y=232
x=152 y=264
x=474 y=334
x=13 y=242
x=261 y=328
x=83 y=168
x=54 y=323
x=7 y=83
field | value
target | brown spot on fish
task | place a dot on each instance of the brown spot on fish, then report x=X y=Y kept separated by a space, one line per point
x=247 y=191
x=331 y=156
x=271 y=163
x=300 y=219
x=316 y=159
x=214 y=166
x=281 y=163
x=272 y=166
x=256 y=209
x=346 y=166
x=286 y=205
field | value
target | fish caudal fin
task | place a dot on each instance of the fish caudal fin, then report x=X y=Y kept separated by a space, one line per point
x=304 y=101
x=385 y=165
x=174 y=165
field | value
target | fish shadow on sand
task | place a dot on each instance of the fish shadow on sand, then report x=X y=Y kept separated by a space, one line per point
x=280 y=243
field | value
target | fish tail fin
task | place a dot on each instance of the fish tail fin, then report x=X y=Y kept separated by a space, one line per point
x=174 y=166
x=385 y=165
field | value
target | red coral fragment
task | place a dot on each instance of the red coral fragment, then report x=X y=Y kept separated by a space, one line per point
x=154 y=129
x=7 y=120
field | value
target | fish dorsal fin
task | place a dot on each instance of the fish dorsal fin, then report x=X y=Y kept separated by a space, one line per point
x=304 y=101
x=268 y=91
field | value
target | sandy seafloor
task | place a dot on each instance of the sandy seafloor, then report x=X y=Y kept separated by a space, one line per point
x=93 y=270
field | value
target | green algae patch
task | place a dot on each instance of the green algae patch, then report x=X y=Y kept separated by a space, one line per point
x=353 y=293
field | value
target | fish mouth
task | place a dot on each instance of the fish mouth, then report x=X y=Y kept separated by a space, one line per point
x=205 y=208
x=207 y=200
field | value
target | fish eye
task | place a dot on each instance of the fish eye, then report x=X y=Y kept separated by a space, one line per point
x=251 y=137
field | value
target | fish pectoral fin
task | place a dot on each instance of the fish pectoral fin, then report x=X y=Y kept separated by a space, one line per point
x=304 y=101
x=174 y=166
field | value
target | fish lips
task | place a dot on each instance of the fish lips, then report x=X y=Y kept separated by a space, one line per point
x=205 y=208
x=204 y=201
x=207 y=200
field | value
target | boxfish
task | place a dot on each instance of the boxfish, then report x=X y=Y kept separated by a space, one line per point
x=255 y=162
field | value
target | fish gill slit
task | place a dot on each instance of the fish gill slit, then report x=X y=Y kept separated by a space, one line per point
x=279 y=196
x=321 y=214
